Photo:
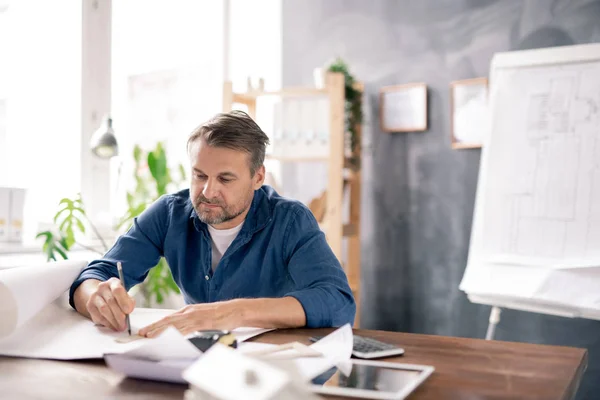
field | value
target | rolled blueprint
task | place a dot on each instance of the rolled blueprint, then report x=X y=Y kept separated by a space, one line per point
x=24 y=291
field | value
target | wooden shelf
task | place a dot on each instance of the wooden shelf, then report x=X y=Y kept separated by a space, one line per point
x=348 y=165
x=461 y=146
x=350 y=230
x=287 y=92
x=343 y=177
x=297 y=159
x=347 y=162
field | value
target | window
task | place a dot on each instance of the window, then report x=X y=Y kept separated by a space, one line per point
x=255 y=40
x=167 y=77
x=40 y=84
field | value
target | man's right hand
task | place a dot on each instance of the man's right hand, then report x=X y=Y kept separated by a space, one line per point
x=105 y=303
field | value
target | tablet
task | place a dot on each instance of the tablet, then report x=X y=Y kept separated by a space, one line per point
x=368 y=379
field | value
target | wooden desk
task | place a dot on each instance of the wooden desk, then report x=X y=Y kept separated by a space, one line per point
x=465 y=369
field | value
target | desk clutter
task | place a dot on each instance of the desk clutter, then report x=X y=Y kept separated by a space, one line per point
x=36 y=322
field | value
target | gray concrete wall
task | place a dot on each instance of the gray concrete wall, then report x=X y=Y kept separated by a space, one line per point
x=418 y=193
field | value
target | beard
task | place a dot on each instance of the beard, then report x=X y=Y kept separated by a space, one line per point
x=216 y=216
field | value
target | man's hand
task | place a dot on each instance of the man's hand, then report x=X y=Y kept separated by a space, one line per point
x=222 y=315
x=286 y=312
x=105 y=303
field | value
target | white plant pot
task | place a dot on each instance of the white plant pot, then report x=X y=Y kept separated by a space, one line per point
x=319 y=77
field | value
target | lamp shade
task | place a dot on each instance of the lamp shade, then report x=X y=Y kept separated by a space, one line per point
x=103 y=142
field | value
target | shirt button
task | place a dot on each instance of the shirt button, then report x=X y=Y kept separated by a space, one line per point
x=206 y=277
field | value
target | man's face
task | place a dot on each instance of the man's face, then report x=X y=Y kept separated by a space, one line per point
x=222 y=188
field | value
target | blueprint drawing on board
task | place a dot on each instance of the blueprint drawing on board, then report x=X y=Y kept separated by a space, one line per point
x=543 y=189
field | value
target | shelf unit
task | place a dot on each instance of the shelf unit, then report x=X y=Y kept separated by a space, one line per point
x=342 y=175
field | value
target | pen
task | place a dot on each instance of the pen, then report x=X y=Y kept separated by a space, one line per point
x=120 y=269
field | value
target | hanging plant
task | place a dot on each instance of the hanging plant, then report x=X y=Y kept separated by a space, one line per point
x=353 y=107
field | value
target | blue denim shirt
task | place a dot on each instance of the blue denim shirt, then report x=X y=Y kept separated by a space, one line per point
x=280 y=251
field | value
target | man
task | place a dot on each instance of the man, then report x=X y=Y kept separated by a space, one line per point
x=241 y=254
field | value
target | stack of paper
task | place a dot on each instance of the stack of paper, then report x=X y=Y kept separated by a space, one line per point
x=336 y=350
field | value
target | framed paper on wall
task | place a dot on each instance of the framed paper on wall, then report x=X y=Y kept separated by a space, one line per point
x=469 y=116
x=403 y=108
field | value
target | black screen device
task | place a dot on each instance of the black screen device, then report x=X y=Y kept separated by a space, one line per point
x=204 y=339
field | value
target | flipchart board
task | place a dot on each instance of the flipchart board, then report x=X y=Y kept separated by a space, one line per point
x=535 y=240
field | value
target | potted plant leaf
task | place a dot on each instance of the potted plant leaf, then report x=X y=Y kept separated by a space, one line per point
x=153 y=178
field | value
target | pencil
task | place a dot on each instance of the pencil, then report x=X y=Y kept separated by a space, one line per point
x=122 y=278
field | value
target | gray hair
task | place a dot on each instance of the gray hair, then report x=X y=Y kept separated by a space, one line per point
x=234 y=130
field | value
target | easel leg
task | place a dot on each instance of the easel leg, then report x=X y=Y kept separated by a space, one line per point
x=494 y=319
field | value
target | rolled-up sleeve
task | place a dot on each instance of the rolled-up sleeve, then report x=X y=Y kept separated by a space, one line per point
x=138 y=250
x=321 y=285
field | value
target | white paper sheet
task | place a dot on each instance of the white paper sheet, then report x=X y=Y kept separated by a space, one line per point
x=35 y=322
x=162 y=358
x=335 y=347
x=250 y=347
x=165 y=357
x=243 y=334
x=223 y=373
x=24 y=291
x=169 y=345
x=163 y=371
x=62 y=334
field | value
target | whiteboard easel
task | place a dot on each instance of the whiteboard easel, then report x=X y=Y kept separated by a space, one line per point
x=535 y=242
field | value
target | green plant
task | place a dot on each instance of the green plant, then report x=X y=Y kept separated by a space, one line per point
x=353 y=107
x=153 y=178
x=68 y=220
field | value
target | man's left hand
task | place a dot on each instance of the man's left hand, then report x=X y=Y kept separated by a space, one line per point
x=223 y=315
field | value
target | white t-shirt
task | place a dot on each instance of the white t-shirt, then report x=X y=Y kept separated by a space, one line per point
x=221 y=239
